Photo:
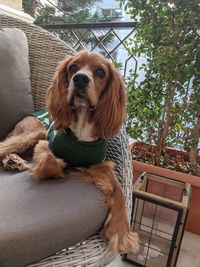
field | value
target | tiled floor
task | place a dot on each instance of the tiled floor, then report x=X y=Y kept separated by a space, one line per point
x=189 y=254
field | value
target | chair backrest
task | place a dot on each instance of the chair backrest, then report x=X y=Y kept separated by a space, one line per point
x=45 y=51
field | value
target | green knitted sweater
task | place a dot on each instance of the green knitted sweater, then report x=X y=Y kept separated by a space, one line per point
x=78 y=153
x=66 y=146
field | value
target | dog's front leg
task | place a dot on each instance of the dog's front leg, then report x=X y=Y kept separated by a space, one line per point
x=46 y=164
x=117 y=228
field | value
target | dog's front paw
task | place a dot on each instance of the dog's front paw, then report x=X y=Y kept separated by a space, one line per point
x=49 y=168
x=14 y=162
x=46 y=164
x=124 y=242
x=120 y=237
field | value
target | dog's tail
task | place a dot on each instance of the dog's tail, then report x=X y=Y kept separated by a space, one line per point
x=20 y=143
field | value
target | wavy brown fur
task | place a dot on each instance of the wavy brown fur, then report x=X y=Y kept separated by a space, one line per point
x=57 y=96
x=110 y=111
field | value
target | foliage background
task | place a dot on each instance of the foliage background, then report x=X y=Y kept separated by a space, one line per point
x=64 y=11
x=164 y=108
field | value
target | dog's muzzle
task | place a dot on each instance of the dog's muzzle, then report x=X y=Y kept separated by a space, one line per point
x=81 y=82
x=80 y=97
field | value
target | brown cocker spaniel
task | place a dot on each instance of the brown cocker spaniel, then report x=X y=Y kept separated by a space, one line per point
x=86 y=97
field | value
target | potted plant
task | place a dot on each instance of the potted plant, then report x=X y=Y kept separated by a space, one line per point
x=163 y=111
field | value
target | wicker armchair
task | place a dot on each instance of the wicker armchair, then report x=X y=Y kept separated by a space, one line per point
x=45 y=51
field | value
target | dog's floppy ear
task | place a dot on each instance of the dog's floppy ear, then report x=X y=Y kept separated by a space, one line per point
x=56 y=100
x=110 y=112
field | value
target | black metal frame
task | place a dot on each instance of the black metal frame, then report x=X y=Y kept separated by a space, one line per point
x=99 y=25
x=175 y=233
x=91 y=28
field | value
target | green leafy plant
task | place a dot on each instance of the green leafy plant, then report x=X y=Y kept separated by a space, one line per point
x=164 y=108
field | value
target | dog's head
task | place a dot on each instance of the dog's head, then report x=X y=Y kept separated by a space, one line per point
x=88 y=81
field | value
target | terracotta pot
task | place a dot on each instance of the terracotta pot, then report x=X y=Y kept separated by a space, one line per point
x=193 y=222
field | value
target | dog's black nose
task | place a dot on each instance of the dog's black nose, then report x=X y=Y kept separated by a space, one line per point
x=80 y=80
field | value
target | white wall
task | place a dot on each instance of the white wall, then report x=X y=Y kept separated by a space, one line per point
x=16 y=4
x=12 y=12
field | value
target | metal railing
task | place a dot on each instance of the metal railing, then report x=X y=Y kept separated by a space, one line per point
x=109 y=38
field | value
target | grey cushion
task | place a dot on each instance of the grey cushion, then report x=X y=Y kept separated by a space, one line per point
x=15 y=86
x=40 y=219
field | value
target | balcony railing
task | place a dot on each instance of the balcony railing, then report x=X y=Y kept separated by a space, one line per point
x=110 y=39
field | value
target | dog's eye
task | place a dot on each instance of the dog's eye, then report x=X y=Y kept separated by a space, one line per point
x=100 y=73
x=73 y=69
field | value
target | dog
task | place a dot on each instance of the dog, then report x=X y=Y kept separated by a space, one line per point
x=88 y=98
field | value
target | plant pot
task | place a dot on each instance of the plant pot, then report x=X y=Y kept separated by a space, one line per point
x=193 y=222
